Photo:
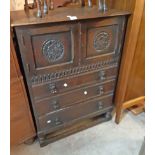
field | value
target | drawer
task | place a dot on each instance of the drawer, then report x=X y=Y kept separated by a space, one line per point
x=52 y=89
x=74 y=97
x=74 y=113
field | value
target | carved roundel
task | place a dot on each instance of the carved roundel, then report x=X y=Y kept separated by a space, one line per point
x=102 y=41
x=53 y=50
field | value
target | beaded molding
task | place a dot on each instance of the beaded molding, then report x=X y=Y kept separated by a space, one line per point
x=72 y=71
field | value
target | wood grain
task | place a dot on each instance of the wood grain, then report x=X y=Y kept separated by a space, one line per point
x=136 y=83
x=19 y=18
x=133 y=102
x=129 y=49
x=22 y=127
x=124 y=4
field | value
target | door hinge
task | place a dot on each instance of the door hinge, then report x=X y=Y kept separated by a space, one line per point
x=28 y=67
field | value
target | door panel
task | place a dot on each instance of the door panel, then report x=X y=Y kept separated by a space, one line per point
x=47 y=48
x=101 y=39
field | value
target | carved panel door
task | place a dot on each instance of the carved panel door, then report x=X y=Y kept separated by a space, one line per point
x=102 y=39
x=48 y=48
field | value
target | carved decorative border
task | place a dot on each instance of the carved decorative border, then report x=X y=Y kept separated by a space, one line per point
x=72 y=71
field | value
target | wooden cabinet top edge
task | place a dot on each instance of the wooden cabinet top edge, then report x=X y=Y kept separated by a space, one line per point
x=21 y=18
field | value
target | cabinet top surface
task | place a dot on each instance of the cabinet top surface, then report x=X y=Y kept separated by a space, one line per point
x=20 y=18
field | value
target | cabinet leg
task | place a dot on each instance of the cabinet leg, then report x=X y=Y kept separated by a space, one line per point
x=118 y=114
x=30 y=141
x=108 y=115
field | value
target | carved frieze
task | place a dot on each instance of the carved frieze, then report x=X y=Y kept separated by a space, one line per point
x=53 y=50
x=73 y=71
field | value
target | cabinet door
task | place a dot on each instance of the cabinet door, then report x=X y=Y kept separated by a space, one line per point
x=45 y=48
x=102 y=39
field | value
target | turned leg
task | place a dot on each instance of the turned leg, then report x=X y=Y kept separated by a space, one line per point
x=43 y=141
x=26 y=6
x=45 y=7
x=34 y=4
x=104 y=6
x=82 y=3
x=108 y=115
x=30 y=141
x=118 y=113
x=51 y=5
x=90 y=3
x=39 y=14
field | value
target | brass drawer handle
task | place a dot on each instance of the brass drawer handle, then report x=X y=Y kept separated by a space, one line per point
x=55 y=105
x=102 y=75
x=52 y=88
x=100 y=105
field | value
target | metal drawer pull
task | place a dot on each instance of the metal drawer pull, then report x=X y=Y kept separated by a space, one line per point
x=65 y=84
x=57 y=121
x=101 y=90
x=52 y=88
x=85 y=92
x=55 y=105
x=48 y=121
x=100 y=105
x=102 y=75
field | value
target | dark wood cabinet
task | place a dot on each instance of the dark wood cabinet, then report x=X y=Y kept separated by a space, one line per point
x=71 y=67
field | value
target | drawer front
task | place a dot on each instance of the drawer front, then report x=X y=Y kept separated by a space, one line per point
x=73 y=113
x=74 y=97
x=51 y=89
x=48 y=47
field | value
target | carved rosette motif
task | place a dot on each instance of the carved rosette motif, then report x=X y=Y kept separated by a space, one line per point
x=102 y=41
x=53 y=50
x=73 y=71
